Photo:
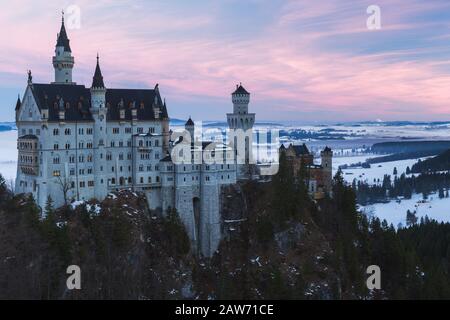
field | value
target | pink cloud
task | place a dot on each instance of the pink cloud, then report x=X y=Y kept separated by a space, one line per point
x=282 y=66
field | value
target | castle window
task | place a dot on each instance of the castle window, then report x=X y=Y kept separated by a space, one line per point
x=156 y=143
x=149 y=179
x=120 y=143
x=127 y=130
x=67 y=146
x=90 y=183
x=55 y=132
x=112 y=169
x=140 y=130
x=81 y=158
x=56 y=160
x=112 y=144
x=157 y=178
x=115 y=130
x=121 y=156
x=80 y=145
x=72 y=159
x=141 y=180
x=89 y=170
x=149 y=168
x=56 y=173
x=120 y=169
x=141 y=143
x=129 y=156
x=67 y=131
x=89 y=145
x=55 y=146
x=89 y=158
x=113 y=181
x=89 y=131
x=108 y=156
x=38 y=131
x=207 y=178
x=81 y=172
x=141 y=168
x=80 y=131
x=82 y=184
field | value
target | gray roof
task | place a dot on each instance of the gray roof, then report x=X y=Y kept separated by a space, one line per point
x=63 y=40
x=189 y=122
x=97 y=80
x=240 y=90
x=77 y=101
x=301 y=149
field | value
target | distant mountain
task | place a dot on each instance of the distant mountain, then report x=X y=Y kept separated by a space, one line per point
x=7 y=126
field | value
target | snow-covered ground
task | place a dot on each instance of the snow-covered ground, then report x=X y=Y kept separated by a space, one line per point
x=395 y=211
x=376 y=170
x=8 y=154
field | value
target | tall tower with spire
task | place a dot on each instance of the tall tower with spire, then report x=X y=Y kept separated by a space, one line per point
x=62 y=60
x=241 y=124
x=98 y=111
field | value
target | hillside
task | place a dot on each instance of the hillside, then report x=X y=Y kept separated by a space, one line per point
x=439 y=163
x=283 y=246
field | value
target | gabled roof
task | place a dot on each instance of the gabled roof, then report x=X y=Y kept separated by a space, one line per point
x=63 y=40
x=300 y=149
x=240 y=90
x=77 y=101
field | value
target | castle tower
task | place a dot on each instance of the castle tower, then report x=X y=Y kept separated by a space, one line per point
x=241 y=124
x=63 y=61
x=98 y=110
x=189 y=126
x=326 y=156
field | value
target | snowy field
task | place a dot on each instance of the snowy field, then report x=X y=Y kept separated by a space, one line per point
x=376 y=170
x=8 y=154
x=395 y=212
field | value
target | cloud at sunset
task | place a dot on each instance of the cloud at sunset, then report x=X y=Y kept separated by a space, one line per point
x=301 y=60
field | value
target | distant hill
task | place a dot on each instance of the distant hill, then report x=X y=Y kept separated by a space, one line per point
x=431 y=147
x=439 y=163
x=7 y=126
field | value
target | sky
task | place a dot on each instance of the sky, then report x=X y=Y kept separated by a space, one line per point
x=301 y=60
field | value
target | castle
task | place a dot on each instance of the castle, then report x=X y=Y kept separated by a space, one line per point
x=319 y=176
x=79 y=143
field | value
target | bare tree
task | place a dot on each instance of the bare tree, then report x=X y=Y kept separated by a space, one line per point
x=66 y=185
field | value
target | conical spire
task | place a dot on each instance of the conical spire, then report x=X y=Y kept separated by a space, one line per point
x=189 y=122
x=63 y=40
x=97 y=81
x=18 y=103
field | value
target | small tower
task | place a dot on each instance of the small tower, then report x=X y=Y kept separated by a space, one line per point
x=326 y=156
x=189 y=126
x=63 y=61
x=99 y=112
